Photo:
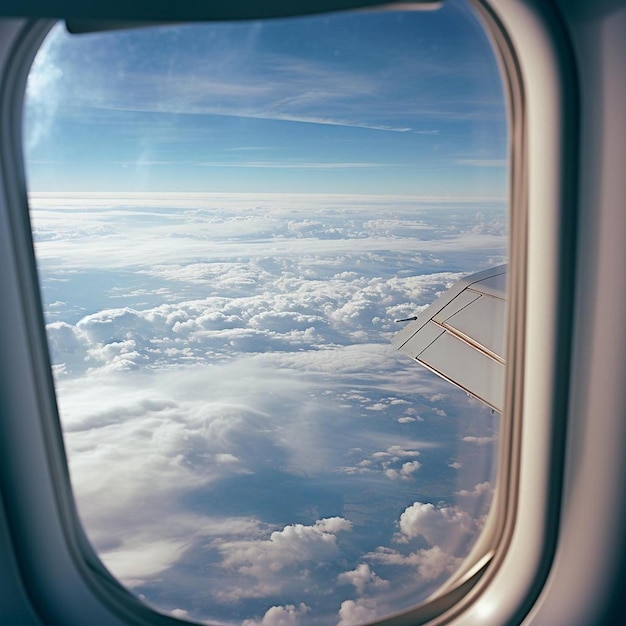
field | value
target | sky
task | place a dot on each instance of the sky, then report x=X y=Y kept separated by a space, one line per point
x=227 y=221
x=370 y=102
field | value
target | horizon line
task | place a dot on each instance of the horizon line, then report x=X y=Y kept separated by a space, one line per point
x=137 y=194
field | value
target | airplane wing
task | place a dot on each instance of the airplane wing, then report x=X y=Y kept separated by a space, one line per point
x=461 y=336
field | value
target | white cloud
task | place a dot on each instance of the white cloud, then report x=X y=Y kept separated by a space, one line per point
x=292 y=544
x=438 y=397
x=476 y=500
x=434 y=562
x=280 y=616
x=145 y=549
x=479 y=490
x=391 y=462
x=448 y=527
x=264 y=567
x=134 y=564
x=478 y=440
x=361 y=611
x=363 y=579
x=235 y=342
x=396 y=452
x=428 y=564
x=405 y=472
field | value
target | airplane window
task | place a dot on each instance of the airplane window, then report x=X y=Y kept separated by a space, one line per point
x=229 y=218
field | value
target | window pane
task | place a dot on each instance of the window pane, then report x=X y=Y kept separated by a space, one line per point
x=228 y=220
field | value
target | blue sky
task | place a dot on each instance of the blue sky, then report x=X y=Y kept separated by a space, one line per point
x=373 y=102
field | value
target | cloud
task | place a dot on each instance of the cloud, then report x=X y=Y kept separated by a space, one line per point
x=281 y=165
x=260 y=84
x=143 y=549
x=479 y=490
x=325 y=165
x=448 y=532
x=391 y=462
x=134 y=565
x=292 y=544
x=405 y=472
x=280 y=616
x=361 y=611
x=483 y=162
x=449 y=527
x=481 y=441
x=476 y=500
x=265 y=567
x=363 y=579
x=428 y=564
x=228 y=395
x=434 y=562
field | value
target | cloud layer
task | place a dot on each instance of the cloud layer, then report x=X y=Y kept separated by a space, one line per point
x=245 y=445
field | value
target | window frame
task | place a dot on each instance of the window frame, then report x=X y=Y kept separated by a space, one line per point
x=64 y=578
x=534 y=43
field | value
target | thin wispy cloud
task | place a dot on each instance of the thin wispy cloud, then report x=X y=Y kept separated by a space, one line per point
x=245 y=113
x=298 y=166
x=483 y=162
x=248 y=148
